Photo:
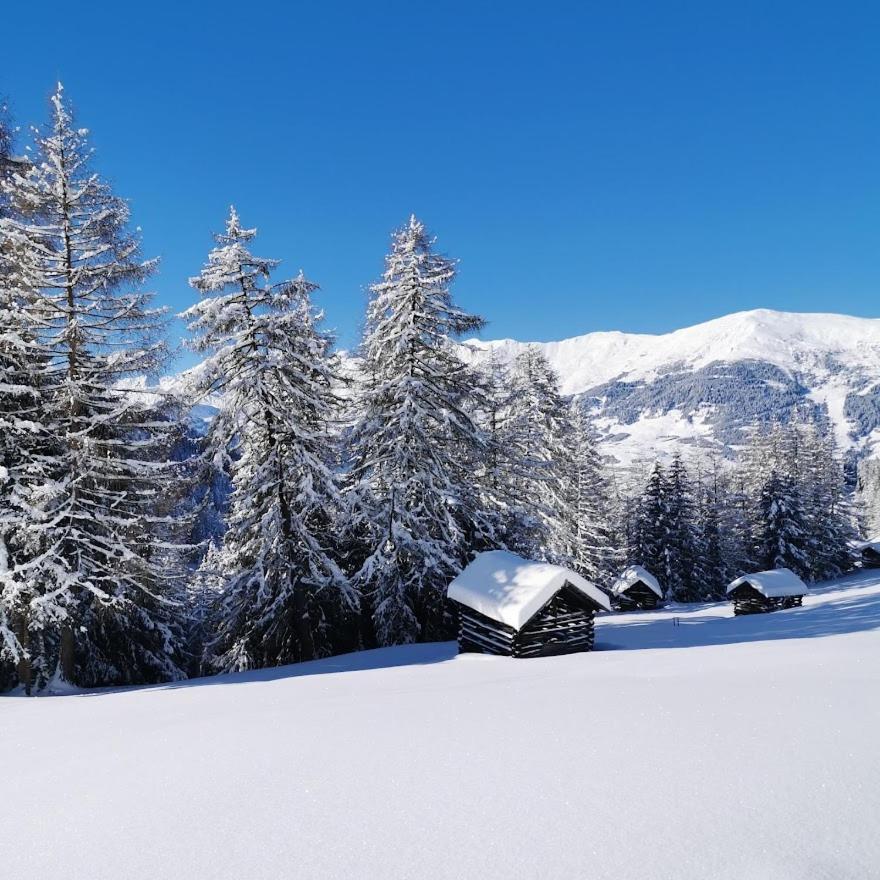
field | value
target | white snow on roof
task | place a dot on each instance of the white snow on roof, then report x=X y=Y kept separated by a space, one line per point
x=861 y=546
x=511 y=590
x=773 y=584
x=634 y=574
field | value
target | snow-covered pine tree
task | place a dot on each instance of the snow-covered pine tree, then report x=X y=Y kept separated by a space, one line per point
x=799 y=460
x=271 y=364
x=782 y=526
x=19 y=404
x=584 y=527
x=99 y=603
x=828 y=505
x=415 y=503
x=650 y=526
x=683 y=569
x=492 y=403
x=717 y=537
x=534 y=437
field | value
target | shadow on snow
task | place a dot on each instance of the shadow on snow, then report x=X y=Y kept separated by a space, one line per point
x=698 y=625
x=715 y=624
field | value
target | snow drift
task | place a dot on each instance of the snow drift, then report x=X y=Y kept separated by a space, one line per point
x=722 y=748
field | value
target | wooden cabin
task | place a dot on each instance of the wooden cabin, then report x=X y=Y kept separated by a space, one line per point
x=868 y=553
x=520 y=608
x=766 y=591
x=636 y=590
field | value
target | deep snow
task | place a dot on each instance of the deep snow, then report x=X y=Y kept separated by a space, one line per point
x=695 y=745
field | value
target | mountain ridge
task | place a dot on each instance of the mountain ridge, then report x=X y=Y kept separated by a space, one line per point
x=704 y=385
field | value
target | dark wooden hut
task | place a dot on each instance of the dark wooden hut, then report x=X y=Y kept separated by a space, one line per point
x=868 y=553
x=766 y=591
x=514 y=606
x=636 y=589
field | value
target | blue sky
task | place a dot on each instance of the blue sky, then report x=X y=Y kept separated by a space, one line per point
x=634 y=166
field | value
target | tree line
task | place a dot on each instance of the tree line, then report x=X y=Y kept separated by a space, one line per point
x=326 y=508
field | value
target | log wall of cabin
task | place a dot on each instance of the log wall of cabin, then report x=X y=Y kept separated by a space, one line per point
x=747 y=600
x=639 y=595
x=563 y=626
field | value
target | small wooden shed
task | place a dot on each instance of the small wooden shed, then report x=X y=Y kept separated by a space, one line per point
x=636 y=589
x=766 y=591
x=521 y=608
x=868 y=553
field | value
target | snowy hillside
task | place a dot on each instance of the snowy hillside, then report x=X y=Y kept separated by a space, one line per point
x=702 y=384
x=721 y=748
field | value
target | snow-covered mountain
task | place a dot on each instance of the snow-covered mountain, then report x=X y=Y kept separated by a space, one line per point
x=702 y=385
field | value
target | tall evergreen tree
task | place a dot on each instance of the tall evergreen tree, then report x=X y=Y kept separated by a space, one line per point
x=98 y=602
x=584 y=528
x=683 y=564
x=271 y=363
x=19 y=398
x=416 y=506
x=782 y=526
x=534 y=437
x=493 y=402
x=650 y=525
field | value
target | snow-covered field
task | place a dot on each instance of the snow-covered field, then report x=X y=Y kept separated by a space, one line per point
x=703 y=747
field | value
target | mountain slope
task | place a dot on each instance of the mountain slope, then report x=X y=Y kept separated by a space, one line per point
x=719 y=748
x=702 y=385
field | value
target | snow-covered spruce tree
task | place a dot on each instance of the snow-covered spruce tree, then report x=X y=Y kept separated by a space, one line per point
x=20 y=393
x=650 y=525
x=721 y=519
x=684 y=572
x=496 y=465
x=782 y=526
x=584 y=528
x=828 y=504
x=413 y=447
x=534 y=437
x=99 y=608
x=271 y=364
x=800 y=460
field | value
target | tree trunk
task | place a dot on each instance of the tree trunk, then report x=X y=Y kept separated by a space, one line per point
x=66 y=656
x=23 y=668
x=303 y=625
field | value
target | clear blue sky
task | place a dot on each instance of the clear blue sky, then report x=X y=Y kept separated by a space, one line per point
x=614 y=165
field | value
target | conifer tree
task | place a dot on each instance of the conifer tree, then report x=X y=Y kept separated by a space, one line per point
x=650 y=526
x=782 y=526
x=415 y=505
x=19 y=396
x=534 y=438
x=99 y=605
x=493 y=401
x=683 y=568
x=584 y=530
x=276 y=568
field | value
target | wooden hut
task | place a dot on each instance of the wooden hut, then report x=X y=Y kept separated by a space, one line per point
x=514 y=606
x=766 y=591
x=868 y=553
x=636 y=589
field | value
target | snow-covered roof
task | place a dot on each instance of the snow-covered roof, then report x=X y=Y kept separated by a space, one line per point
x=632 y=575
x=772 y=584
x=511 y=590
x=861 y=546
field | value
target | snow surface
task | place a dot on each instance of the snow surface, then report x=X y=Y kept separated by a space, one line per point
x=773 y=584
x=507 y=588
x=633 y=574
x=656 y=757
